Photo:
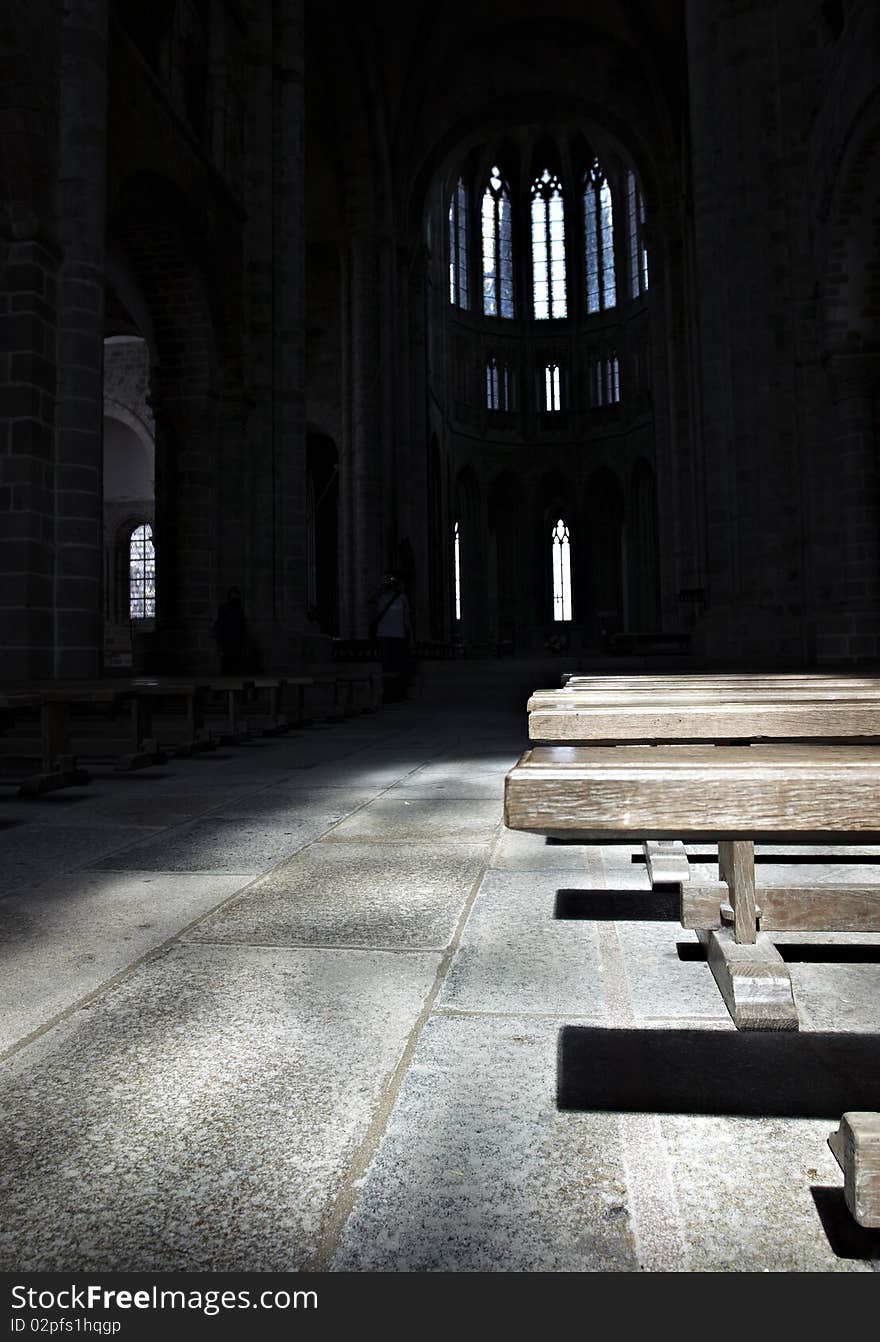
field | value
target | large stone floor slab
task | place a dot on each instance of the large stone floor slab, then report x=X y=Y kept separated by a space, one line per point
x=517 y=851
x=244 y=846
x=62 y=941
x=419 y=821
x=479 y=1170
x=518 y=955
x=203 y=1116
x=747 y=1190
x=31 y=852
x=392 y=895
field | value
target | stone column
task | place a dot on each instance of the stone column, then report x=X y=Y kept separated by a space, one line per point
x=276 y=585
x=79 y=445
x=746 y=167
x=29 y=259
x=363 y=447
x=848 y=621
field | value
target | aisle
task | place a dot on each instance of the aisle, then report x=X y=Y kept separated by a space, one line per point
x=311 y=1007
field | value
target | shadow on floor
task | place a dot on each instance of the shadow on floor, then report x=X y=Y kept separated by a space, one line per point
x=846 y=1237
x=829 y=954
x=660 y=905
x=715 y=1072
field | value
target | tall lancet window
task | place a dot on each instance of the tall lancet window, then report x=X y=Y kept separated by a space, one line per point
x=456 y=567
x=561 y=545
x=458 y=247
x=599 y=230
x=638 y=252
x=548 y=247
x=141 y=574
x=497 y=248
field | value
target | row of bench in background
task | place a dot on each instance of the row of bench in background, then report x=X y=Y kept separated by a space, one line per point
x=727 y=759
x=50 y=730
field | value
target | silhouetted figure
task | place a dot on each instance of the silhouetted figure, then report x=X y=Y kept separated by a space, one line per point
x=230 y=631
x=392 y=630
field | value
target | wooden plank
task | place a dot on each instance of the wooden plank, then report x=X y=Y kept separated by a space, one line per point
x=685 y=792
x=753 y=980
x=652 y=681
x=754 y=719
x=819 y=908
x=856 y=1148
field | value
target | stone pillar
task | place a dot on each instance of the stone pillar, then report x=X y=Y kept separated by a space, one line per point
x=746 y=167
x=276 y=585
x=79 y=455
x=363 y=447
x=415 y=503
x=848 y=621
x=29 y=259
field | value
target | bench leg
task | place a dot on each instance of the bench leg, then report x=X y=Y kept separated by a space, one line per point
x=856 y=1147
x=666 y=861
x=736 y=866
x=751 y=974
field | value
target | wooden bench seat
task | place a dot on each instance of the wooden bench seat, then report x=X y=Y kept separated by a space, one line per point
x=725 y=715
x=732 y=796
x=719 y=709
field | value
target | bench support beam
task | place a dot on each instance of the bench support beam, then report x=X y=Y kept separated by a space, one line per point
x=790 y=908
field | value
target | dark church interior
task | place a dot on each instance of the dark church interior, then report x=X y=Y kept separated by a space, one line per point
x=440 y=659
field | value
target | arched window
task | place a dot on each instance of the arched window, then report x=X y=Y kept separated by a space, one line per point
x=548 y=247
x=561 y=556
x=606 y=379
x=638 y=252
x=492 y=384
x=456 y=567
x=497 y=385
x=141 y=574
x=497 y=248
x=599 y=232
x=552 y=387
x=458 y=246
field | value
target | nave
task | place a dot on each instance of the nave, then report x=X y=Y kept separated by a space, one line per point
x=305 y=1004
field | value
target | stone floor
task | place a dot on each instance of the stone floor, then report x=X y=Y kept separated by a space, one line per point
x=304 y=1003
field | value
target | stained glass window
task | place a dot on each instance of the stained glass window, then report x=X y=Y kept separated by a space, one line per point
x=497 y=248
x=142 y=574
x=548 y=247
x=456 y=559
x=552 y=387
x=599 y=232
x=561 y=557
x=498 y=385
x=638 y=252
x=606 y=379
x=458 y=247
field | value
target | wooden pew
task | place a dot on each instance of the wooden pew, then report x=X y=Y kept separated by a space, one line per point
x=732 y=796
x=721 y=709
x=47 y=747
x=167 y=713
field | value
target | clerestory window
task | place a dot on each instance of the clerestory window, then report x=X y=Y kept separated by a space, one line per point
x=638 y=252
x=548 y=247
x=599 y=234
x=497 y=248
x=458 y=246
